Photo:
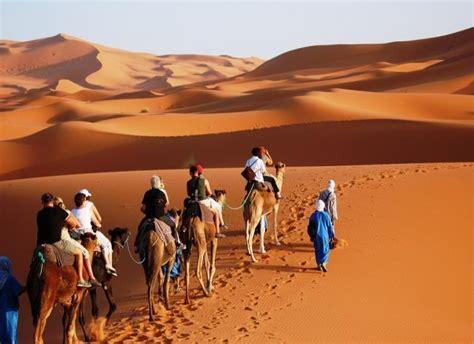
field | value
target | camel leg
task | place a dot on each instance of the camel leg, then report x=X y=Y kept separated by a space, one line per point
x=166 y=284
x=275 y=224
x=71 y=329
x=66 y=315
x=82 y=321
x=213 y=264
x=95 y=307
x=252 y=225
x=109 y=294
x=187 y=264
x=262 y=236
x=201 y=252
x=207 y=266
x=47 y=303
x=152 y=279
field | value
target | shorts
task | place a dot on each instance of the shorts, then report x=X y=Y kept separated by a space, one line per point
x=70 y=245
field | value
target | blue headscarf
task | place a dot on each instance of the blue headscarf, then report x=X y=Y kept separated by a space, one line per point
x=5 y=270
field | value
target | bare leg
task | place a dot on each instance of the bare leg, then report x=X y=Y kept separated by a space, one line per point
x=80 y=267
x=88 y=265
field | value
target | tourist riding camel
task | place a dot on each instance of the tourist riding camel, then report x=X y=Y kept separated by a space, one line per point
x=66 y=237
x=50 y=221
x=259 y=201
x=86 y=218
x=153 y=207
x=89 y=204
x=257 y=163
x=199 y=190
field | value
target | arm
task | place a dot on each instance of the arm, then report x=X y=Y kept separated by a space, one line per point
x=311 y=228
x=208 y=188
x=167 y=198
x=330 y=228
x=269 y=161
x=334 y=207
x=96 y=213
x=95 y=221
x=72 y=222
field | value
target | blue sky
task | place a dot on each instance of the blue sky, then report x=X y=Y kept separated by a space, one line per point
x=239 y=28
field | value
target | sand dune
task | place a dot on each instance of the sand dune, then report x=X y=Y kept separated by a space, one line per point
x=58 y=61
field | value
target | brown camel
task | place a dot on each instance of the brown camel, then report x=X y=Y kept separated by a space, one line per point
x=118 y=238
x=48 y=285
x=194 y=231
x=155 y=256
x=260 y=203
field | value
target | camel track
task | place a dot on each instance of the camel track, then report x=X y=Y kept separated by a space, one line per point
x=283 y=269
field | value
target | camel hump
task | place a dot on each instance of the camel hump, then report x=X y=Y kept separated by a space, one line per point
x=50 y=253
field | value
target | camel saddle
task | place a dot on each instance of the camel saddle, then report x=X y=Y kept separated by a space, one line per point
x=162 y=230
x=50 y=253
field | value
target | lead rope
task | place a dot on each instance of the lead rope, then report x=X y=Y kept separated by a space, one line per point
x=131 y=256
x=225 y=205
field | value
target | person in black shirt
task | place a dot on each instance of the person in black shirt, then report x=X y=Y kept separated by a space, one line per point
x=50 y=221
x=153 y=206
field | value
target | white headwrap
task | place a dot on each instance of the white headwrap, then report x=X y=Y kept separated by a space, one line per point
x=331 y=185
x=5 y=270
x=320 y=205
x=155 y=182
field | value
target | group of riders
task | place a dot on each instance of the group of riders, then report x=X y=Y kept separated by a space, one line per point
x=62 y=228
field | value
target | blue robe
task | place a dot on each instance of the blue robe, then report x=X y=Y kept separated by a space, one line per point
x=176 y=268
x=9 y=310
x=321 y=231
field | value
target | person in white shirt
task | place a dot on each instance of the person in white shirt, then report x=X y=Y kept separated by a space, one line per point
x=86 y=218
x=258 y=166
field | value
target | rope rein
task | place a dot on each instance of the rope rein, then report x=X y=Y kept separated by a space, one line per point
x=139 y=262
x=225 y=205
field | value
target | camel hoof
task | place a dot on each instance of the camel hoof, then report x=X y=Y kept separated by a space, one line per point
x=254 y=259
x=263 y=251
x=151 y=318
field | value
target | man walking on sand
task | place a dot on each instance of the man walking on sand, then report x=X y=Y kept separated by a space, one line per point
x=321 y=231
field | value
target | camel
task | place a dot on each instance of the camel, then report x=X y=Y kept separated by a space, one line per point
x=157 y=255
x=194 y=231
x=48 y=285
x=118 y=238
x=260 y=203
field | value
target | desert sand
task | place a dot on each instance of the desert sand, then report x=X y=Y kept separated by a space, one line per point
x=391 y=123
x=405 y=276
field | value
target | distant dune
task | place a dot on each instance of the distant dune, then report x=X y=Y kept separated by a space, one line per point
x=101 y=109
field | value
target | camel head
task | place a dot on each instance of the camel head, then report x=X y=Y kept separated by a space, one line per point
x=280 y=167
x=119 y=236
x=219 y=196
x=89 y=241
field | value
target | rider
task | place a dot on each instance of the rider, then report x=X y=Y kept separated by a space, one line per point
x=153 y=206
x=199 y=189
x=258 y=162
x=86 y=219
x=66 y=237
x=91 y=205
x=50 y=221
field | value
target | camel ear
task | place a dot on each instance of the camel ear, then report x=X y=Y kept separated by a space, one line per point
x=111 y=232
x=179 y=212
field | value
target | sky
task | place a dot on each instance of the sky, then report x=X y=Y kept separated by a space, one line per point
x=239 y=28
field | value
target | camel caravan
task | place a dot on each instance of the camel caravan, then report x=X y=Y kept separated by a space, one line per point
x=74 y=258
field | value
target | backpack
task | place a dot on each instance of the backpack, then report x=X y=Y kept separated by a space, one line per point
x=248 y=173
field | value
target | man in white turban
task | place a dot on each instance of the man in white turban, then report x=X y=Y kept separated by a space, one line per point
x=328 y=196
x=321 y=231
